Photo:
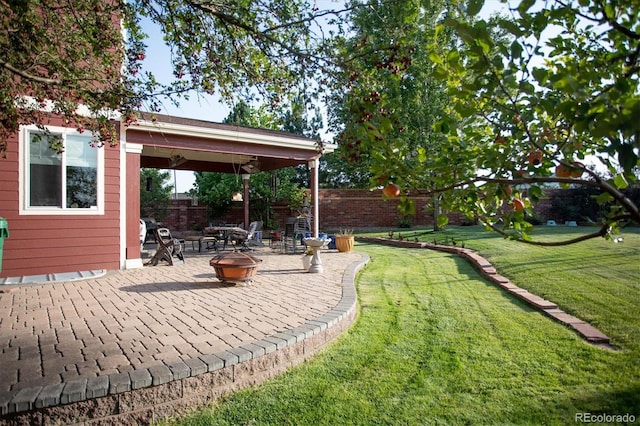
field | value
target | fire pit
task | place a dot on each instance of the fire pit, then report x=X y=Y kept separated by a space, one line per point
x=235 y=267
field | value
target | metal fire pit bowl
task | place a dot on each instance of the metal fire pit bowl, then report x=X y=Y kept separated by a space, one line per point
x=235 y=267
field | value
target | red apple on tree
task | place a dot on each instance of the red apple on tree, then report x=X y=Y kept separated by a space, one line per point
x=504 y=191
x=563 y=171
x=577 y=169
x=535 y=157
x=391 y=190
x=518 y=205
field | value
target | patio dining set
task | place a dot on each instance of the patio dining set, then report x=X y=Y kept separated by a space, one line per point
x=224 y=236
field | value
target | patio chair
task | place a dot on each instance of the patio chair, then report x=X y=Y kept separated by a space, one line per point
x=253 y=227
x=167 y=247
x=150 y=225
x=239 y=237
x=294 y=231
x=143 y=233
x=256 y=238
x=276 y=240
x=210 y=238
x=302 y=229
x=288 y=236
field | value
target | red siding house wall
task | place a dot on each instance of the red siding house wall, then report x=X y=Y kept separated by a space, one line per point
x=49 y=244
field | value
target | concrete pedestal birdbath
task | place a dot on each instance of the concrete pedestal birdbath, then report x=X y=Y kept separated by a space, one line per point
x=315 y=244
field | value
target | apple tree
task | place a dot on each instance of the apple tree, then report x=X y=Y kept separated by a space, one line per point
x=531 y=96
x=386 y=102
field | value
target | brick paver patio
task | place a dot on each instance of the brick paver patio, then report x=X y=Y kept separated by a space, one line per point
x=136 y=324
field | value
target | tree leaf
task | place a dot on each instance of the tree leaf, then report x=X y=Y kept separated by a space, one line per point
x=604 y=198
x=516 y=50
x=442 y=220
x=474 y=7
x=540 y=74
x=407 y=207
x=627 y=157
x=620 y=181
x=525 y=5
x=510 y=27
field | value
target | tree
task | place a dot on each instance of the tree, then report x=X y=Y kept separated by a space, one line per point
x=302 y=119
x=530 y=97
x=531 y=105
x=56 y=55
x=155 y=193
x=60 y=55
x=386 y=101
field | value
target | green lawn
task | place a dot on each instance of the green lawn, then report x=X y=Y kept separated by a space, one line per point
x=435 y=343
x=596 y=280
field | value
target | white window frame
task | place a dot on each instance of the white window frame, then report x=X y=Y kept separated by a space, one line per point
x=25 y=208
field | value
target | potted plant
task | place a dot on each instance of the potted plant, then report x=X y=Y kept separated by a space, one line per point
x=306 y=258
x=345 y=241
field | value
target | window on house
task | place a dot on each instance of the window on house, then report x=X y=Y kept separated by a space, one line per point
x=65 y=182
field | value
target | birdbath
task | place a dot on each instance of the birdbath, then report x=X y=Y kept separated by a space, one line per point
x=315 y=244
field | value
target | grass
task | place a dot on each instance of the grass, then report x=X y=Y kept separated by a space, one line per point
x=435 y=343
x=597 y=280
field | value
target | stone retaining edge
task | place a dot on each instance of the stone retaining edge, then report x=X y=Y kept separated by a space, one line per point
x=582 y=328
x=174 y=389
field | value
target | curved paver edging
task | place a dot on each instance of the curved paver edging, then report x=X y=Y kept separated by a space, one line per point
x=149 y=394
x=584 y=329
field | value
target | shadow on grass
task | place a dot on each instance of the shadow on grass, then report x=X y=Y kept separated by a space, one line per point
x=599 y=407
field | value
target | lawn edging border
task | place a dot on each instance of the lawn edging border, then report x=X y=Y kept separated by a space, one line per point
x=487 y=270
x=155 y=393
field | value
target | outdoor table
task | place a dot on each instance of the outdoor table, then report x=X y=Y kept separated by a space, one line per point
x=225 y=232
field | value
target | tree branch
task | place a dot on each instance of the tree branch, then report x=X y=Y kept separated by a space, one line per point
x=313 y=17
x=23 y=74
x=616 y=25
x=603 y=231
x=231 y=20
x=628 y=205
x=506 y=181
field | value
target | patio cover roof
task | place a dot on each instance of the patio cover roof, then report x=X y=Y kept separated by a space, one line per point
x=186 y=144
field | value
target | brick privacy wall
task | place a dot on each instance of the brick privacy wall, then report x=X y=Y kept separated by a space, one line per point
x=543 y=207
x=361 y=208
x=339 y=208
x=183 y=216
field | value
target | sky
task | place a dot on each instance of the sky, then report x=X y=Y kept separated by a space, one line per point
x=207 y=107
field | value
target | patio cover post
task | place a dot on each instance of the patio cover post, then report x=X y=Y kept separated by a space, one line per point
x=245 y=185
x=131 y=195
x=313 y=165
